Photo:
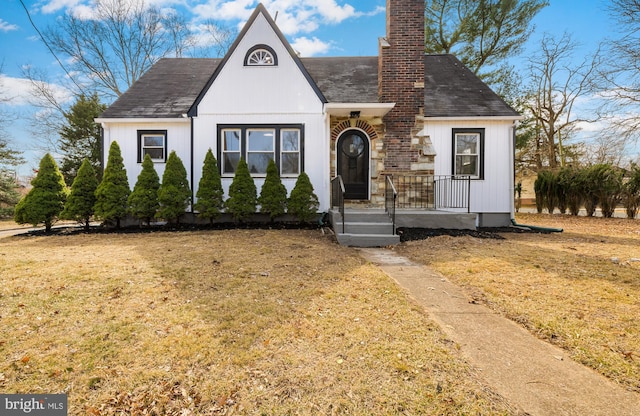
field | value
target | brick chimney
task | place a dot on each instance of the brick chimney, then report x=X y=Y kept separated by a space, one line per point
x=401 y=80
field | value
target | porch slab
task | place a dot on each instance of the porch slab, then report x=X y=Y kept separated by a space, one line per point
x=412 y=218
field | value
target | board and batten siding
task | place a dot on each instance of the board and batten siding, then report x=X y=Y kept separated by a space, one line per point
x=264 y=95
x=494 y=193
x=126 y=134
x=316 y=151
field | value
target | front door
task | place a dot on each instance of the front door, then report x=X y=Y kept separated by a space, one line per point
x=353 y=163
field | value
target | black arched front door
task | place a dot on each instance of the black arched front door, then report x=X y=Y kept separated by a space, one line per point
x=353 y=163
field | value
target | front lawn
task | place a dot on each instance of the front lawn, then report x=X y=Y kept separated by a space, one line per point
x=579 y=289
x=215 y=322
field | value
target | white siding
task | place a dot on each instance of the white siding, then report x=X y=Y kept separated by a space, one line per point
x=126 y=134
x=494 y=193
x=265 y=95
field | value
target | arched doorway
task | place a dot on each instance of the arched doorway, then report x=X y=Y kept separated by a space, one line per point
x=353 y=163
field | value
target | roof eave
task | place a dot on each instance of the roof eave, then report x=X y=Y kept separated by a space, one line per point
x=365 y=109
x=183 y=119
x=462 y=118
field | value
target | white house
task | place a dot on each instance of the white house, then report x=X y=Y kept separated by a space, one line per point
x=413 y=118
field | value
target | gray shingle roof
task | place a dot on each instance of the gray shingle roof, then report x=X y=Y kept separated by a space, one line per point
x=166 y=90
x=172 y=85
x=345 y=79
x=452 y=90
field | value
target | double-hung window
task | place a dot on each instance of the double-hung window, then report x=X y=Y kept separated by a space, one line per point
x=152 y=143
x=257 y=145
x=230 y=150
x=290 y=152
x=468 y=154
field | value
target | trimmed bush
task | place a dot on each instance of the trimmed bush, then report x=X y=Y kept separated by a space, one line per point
x=210 y=195
x=273 y=194
x=604 y=184
x=174 y=194
x=242 y=193
x=303 y=203
x=113 y=191
x=631 y=192
x=545 y=188
x=570 y=183
x=143 y=201
x=45 y=201
x=81 y=200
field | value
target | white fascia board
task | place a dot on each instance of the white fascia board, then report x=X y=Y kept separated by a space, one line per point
x=365 y=109
x=478 y=118
x=143 y=120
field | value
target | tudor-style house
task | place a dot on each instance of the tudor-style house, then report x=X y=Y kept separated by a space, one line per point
x=413 y=133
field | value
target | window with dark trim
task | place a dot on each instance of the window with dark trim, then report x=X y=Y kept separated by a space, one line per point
x=468 y=153
x=153 y=143
x=258 y=144
x=261 y=55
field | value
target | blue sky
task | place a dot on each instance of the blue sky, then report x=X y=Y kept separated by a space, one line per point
x=314 y=28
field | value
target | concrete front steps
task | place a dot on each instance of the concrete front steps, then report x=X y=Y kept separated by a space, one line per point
x=364 y=228
x=373 y=227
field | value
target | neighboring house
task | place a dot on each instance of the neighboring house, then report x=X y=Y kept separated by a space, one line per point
x=418 y=118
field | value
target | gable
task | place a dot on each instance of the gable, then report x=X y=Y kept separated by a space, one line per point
x=241 y=85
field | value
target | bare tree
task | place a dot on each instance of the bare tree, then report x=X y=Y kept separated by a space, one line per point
x=8 y=156
x=119 y=42
x=50 y=108
x=556 y=84
x=622 y=74
x=109 y=51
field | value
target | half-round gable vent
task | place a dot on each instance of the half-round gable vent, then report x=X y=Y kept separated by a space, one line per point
x=261 y=55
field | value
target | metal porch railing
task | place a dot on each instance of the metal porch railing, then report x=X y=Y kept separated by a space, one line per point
x=431 y=191
x=337 y=196
x=390 y=199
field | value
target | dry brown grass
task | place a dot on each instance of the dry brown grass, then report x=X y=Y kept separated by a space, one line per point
x=221 y=322
x=8 y=224
x=579 y=289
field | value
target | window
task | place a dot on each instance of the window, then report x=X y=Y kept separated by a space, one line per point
x=152 y=143
x=259 y=144
x=260 y=149
x=230 y=150
x=468 y=147
x=290 y=152
x=261 y=55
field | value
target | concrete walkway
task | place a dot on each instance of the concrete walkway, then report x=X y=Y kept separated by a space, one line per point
x=535 y=376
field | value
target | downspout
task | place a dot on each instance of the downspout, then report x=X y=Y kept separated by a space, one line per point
x=512 y=186
x=191 y=181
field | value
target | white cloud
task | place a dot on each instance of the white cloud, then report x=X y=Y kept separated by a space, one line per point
x=17 y=91
x=54 y=6
x=310 y=47
x=6 y=26
x=224 y=10
x=292 y=16
x=330 y=11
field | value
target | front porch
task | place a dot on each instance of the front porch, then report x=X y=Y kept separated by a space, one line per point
x=373 y=227
x=416 y=201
